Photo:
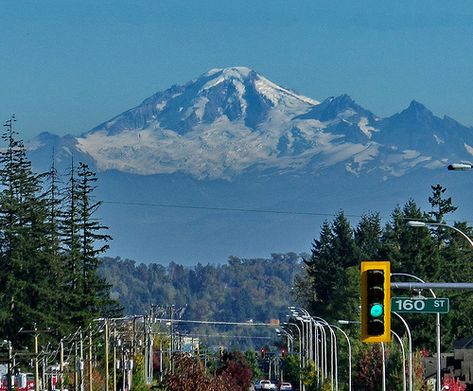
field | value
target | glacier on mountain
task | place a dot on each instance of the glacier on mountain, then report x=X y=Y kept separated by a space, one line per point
x=230 y=121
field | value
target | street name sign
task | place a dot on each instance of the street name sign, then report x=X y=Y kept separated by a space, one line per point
x=420 y=305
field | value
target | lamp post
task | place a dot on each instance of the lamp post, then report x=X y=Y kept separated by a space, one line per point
x=418 y=224
x=409 y=339
x=403 y=359
x=289 y=338
x=300 y=352
x=333 y=352
x=312 y=347
x=349 y=354
x=437 y=327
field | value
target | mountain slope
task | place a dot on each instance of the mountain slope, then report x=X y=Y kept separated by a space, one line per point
x=202 y=171
x=231 y=121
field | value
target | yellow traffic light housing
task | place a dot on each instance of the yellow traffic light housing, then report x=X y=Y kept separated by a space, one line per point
x=375 y=301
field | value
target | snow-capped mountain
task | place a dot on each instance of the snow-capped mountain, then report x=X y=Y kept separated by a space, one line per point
x=233 y=138
x=229 y=121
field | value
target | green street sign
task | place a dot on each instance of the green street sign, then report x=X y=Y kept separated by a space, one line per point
x=420 y=305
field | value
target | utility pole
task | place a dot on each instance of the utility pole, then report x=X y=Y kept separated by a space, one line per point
x=146 y=356
x=81 y=361
x=61 y=363
x=106 y=355
x=114 y=357
x=36 y=334
x=90 y=358
x=10 y=366
x=76 y=367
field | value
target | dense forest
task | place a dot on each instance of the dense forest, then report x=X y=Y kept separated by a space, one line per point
x=243 y=290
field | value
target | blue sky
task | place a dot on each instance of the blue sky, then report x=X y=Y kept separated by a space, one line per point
x=67 y=66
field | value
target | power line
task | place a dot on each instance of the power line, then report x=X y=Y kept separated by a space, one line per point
x=226 y=209
x=253 y=210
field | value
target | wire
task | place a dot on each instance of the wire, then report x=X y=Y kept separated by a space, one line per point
x=261 y=211
x=225 y=209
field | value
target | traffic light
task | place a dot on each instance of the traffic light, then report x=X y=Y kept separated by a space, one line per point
x=375 y=301
x=263 y=353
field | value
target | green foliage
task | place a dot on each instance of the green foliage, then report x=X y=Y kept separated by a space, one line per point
x=39 y=234
x=242 y=290
x=328 y=270
x=252 y=361
x=291 y=368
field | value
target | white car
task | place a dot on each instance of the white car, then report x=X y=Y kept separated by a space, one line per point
x=265 y=385
x=285 y=387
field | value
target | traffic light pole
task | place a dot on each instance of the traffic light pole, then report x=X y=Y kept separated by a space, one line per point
x=431 y=285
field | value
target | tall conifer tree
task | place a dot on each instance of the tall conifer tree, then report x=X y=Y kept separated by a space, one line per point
x=24 y=266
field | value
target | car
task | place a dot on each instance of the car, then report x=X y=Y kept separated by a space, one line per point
x=265 y=385
x=285 y=386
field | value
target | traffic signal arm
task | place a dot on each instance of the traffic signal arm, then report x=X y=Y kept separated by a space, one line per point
x=375 y=301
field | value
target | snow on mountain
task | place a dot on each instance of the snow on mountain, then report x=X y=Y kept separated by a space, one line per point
x=233 y=139
x=216 y=126
x=233 y=120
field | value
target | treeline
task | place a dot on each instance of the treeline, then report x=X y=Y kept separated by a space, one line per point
x=325 y=281
x=50 y=244
x=330 y=286
x=241 y=290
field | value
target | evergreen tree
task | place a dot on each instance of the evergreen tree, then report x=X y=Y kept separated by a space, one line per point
x=70 y=250
x=368 y=237
x=83 y=239
x=95 y=290
x=440 y=206
x=28 y=289
x=329 y=270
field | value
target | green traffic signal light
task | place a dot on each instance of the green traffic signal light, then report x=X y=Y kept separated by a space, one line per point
x=375 y=301
x=376 y=310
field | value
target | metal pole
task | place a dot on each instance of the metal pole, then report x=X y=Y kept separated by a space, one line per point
x=433 y=285
x=36 y=363
x=10 y=366
x=439 y=356
x=437 y=329
x=81 y=362
x=107 y=375
x=403 y=360
x=61 y=364
x=300 y=353
x=114 y=357
x=411 y=377
x=90 y=359
x=383 y=366
x=333 y=351
x=349 y=354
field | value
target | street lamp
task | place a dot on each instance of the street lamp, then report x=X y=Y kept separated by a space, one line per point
x=417 y=224
x=460 y=166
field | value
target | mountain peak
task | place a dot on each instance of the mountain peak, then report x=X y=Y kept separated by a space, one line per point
x=416 y=113
x=417 y=107
x=342 y=106
x=239 y=72
x=342 y=100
